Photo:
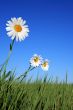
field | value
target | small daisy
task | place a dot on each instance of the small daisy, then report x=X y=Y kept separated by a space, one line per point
x=17 y=28
x=36 y=60
x=45 y=65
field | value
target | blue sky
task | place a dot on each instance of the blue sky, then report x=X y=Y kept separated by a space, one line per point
x=51 y=35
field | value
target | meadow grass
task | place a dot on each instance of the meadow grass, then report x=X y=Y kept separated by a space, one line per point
x=37 y=95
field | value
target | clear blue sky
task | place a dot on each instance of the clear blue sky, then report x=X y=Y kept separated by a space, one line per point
x=51 y=35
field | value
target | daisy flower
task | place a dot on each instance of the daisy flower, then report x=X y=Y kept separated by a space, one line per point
x=17 y=28
x=36 y=60
x=45 y=65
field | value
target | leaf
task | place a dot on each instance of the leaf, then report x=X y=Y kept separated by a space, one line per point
x=5 y=75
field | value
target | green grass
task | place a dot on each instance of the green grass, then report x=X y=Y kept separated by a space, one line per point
x=19 y=94
x=39 y=95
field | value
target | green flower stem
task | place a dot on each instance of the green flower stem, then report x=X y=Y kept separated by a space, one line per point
x=26 y=72
x=11 y=47
x=6 y=62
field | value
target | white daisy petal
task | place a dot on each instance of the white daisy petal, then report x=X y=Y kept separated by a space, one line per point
x=36 y=60
x=45 y=65
x=26 y=26
x=12 y=37
x=9 y=22
x=17 y=29
x=20 y=20
x=8 y=29
x=24 y=22
x=10 y=33
x=14 y=20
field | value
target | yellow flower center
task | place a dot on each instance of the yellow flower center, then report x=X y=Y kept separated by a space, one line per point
x=18 y=28
x=45 y=64
x=36 y=59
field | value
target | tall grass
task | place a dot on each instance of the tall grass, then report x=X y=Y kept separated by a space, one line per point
x=38 y=95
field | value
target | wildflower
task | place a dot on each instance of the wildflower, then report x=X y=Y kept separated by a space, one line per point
x=17 y=28
x=45 y=65
x=36 y=60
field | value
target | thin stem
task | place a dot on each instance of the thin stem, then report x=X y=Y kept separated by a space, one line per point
x=26 y=72
x=4 y=65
